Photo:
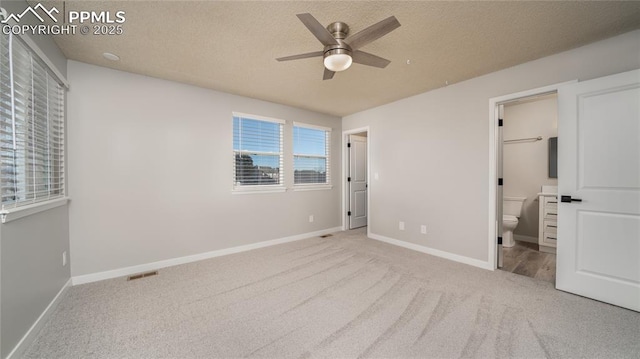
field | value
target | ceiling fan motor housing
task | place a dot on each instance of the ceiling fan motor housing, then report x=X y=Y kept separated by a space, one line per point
x=339 y=30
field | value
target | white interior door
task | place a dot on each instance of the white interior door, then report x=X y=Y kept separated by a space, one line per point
x=357 y=179
x=598 y=254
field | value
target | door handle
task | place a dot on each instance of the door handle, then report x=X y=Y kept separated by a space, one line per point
x=568 y=199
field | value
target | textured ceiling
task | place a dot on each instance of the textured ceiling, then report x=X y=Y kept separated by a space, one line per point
x=231 y=46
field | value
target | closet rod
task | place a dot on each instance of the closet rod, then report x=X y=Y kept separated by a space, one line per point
x=539 y=138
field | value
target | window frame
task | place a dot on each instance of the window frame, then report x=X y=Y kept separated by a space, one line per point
x=264 y=188
x=313 y=186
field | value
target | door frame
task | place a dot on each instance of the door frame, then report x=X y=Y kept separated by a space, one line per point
x=493 y=159
x=345 y=170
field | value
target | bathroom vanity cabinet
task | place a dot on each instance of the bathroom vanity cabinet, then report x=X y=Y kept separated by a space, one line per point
x=548 y=222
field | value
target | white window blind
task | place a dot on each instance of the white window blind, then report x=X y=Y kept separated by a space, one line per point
x=311 y=154
x=31 y=127
x=257 y=151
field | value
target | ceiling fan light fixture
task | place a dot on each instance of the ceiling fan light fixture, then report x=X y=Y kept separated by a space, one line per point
x=337 y=60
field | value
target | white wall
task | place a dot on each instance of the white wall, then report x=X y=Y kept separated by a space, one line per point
x=431 y=151
x=150 y=172
x=526 y=164
x=32 y=272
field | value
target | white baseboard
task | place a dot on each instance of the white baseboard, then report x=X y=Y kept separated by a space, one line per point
x=30 y=335
x=434 y=252
x=121 y=272
x=523 y=238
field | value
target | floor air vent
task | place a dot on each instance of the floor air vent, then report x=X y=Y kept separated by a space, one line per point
x=326 y=235
x=142 y=275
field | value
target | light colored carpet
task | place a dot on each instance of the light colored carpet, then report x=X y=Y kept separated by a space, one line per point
x=344 y=296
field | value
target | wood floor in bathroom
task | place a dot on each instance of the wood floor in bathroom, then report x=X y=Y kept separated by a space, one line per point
x=525 y=259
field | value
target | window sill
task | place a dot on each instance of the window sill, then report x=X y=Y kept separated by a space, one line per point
x=312 y=187
x=258 y=189
x=12 y=214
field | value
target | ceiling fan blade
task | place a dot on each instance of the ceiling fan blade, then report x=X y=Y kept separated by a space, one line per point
x=300 y=56
x=316 y=28
x=328 y=74
x=373 y=32
x=365 y=58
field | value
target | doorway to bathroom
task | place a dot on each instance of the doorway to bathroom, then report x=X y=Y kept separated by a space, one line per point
x=529 y=186
x=594 y=215
x=523 y=182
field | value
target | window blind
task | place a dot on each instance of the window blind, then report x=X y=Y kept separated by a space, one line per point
x=257 y=151
x=311 y=154
x=31 y=127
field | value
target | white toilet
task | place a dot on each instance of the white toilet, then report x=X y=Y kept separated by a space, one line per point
x=511 y=211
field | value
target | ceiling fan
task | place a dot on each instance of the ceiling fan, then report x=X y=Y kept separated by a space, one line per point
x=339 y=51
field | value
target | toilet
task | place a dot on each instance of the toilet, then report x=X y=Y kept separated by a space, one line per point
x=511 y=211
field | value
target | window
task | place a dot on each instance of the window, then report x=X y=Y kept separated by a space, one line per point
x=257 y=152
x=310 y=154
x=31 y=127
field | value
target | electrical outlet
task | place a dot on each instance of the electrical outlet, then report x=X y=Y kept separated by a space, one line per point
x=401 y=226
x=423 y=229
x=311 y=218
x=64 y=258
